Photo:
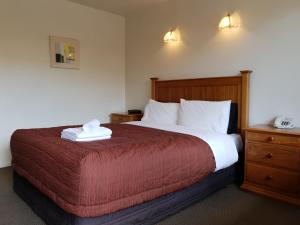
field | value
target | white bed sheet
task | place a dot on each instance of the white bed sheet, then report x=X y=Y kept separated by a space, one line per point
x=224 y=147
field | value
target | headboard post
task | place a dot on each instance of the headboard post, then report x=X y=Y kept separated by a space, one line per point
x=245 y=99
x=153 y=87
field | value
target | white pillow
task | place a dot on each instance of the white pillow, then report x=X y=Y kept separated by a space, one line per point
x=212 y=116
x=161 y=113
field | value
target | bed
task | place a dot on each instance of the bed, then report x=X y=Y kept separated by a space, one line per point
x=140 y=176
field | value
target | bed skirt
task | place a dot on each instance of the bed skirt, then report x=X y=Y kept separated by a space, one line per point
x=148 y=213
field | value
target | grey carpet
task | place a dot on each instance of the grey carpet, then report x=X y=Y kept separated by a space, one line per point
x=229 y=206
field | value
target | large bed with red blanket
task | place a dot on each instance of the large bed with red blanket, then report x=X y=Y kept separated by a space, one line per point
x=139 y=176
x=96 y=178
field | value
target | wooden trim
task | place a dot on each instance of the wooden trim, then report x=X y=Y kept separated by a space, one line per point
x=245 y=100
x=234 y=88
x=268 y=128
x=153 y=87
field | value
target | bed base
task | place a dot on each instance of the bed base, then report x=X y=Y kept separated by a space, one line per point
x=148 y=213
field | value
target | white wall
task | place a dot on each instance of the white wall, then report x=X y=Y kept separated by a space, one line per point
x=267 y=43
x=34 y=95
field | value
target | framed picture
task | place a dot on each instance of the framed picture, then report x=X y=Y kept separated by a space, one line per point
x=64 y=53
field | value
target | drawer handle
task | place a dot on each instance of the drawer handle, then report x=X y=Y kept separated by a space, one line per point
x=269 y=177
x=271 y=138
x=269 y=156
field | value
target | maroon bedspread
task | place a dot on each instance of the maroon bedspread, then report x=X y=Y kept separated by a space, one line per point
x=96 y=178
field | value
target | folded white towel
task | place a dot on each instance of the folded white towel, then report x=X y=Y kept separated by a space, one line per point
x=77 y=133
x=72 y=138
x=90 y=131
x=91 y=125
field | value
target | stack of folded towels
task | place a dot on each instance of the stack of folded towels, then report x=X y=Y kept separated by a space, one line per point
x=90 y=131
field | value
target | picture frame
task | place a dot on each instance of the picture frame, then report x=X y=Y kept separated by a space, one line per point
x=64 y=52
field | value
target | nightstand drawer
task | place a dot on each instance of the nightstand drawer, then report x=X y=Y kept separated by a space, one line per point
x=274 y=155
x=274 y=138
x=274 y=178
x=122 y=118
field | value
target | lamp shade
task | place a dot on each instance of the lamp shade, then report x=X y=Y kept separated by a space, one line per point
x=226 y=22
x=170 y=36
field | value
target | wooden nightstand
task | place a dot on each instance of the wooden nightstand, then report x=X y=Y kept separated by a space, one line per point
x=272 y=163
x=121 y=118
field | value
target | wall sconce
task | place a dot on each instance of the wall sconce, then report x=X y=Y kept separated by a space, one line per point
x=170 y=36
x=226 y=23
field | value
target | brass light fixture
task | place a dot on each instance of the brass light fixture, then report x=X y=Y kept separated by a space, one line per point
x=226 y=23
x=170 y=36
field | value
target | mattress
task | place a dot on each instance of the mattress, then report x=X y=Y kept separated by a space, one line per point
x=224 y=147
x=94 y=179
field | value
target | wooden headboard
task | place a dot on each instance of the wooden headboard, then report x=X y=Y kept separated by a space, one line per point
x=234 y=88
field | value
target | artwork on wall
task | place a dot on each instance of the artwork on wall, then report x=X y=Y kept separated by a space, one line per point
x=64 y=53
